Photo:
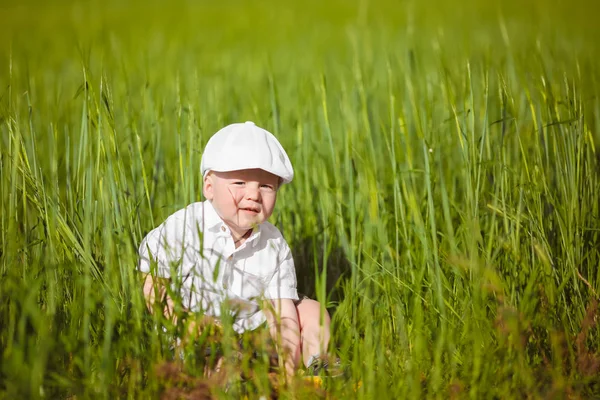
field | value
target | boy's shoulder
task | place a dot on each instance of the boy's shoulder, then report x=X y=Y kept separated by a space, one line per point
x=272 y=234
x=193 y=214
x=270 y=230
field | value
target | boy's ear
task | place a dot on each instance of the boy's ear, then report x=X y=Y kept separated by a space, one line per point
x=207 y=187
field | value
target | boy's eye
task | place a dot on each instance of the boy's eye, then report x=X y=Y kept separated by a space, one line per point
x=268 y=187
x=239 y=183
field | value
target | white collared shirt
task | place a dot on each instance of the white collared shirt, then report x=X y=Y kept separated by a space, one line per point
x=195 y=245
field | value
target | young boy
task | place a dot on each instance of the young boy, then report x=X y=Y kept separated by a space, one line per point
x=223 y=249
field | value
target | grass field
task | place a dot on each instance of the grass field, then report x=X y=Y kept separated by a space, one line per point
x=446 y=203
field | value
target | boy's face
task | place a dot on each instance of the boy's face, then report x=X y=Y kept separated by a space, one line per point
x=243 y=198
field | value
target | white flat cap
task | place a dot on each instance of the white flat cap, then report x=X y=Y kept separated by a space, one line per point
x=245 y=146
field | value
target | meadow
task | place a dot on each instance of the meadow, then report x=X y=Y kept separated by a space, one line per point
x=445 y=207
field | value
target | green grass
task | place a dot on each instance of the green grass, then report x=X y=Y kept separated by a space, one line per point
x=445 y=205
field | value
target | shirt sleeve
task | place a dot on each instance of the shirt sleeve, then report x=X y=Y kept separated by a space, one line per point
x=283 y=284
x=163 y=249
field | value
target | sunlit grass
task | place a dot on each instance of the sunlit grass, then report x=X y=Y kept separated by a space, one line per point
x=445 y=205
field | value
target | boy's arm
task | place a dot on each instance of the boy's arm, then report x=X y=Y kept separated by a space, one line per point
x=155 y=289
x=281 y=312
x=155 y=248
x=284 y=327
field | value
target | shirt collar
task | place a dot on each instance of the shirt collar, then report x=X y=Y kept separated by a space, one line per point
x=213 y=222
x=211 y=219
x=254 y=236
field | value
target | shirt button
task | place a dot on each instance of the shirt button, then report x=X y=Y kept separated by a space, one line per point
x=222 y=228
x=230 y=258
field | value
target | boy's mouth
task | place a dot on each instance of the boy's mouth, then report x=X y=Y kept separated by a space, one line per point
x=250 y=209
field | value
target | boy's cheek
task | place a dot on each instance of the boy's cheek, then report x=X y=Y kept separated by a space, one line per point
x=233 y=195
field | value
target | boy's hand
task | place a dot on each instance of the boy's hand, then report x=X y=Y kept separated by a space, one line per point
x=196 y=326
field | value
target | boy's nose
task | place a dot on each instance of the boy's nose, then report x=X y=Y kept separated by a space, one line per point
x=252 y=194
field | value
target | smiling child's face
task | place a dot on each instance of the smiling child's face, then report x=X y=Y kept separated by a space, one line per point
x=243 y=198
